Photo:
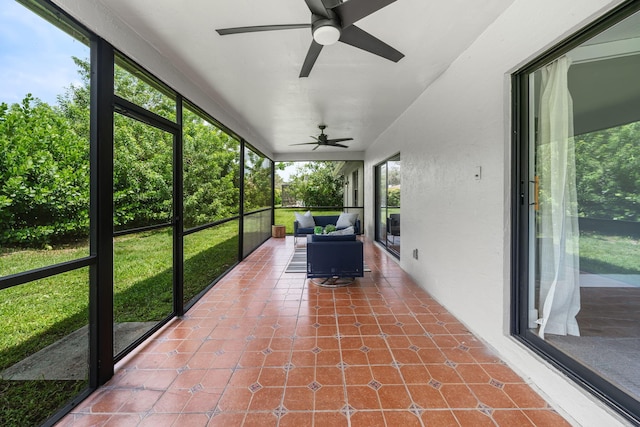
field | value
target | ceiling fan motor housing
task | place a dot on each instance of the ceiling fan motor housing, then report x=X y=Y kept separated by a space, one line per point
x=326 y=31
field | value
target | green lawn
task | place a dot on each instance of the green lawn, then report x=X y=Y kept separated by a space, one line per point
x=600 y=254
x=39 y=313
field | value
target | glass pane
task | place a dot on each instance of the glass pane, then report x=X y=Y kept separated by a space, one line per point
x=393 y=208
x=142 y=174
x=143 y=284
x=44 y=346
x=44 y=142
x=211 y=165
x=208 y=254
x=584 y=290
x=257 y=229
x=381 y=187
x=257 y=181
x=134 y=86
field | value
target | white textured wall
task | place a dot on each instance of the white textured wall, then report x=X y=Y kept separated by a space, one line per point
x=460 y=225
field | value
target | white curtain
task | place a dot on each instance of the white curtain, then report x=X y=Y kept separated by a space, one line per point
x=558 y=216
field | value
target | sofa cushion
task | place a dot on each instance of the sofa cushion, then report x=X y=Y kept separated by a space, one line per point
x=343 y=232
x=305 y=220
x=325 y=220
x=333 y=238
x=346 y=220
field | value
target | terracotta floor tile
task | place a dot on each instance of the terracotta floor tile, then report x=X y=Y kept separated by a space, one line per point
x=524 y=397
x=296 y=419
x=427 y=397
x=172 y=401
x=330 y=398
x=473 y=418
x=379 y=356
x=111 y=400
x=188 y=378
x=266 y=399
x=472 y=373
x=227 y=420
x=328 y=358
x=458 y=396
x=204 y=401
x=299 y=399
x=354 y=357
x=244 y=377
x=118 y=420
x=192 y=420
x=402 y=418
x=252 y=359
x=444 y=373
x=501 y=373
x=141 y=401
x=267 y=348
x=491 y=396
x=358 y=375
x=369 y=419
x=415 y=374
x=387 y=375
x=301 y=376
x=260 y=419
x=363 y=398
x=333 y=419
x=439 y=418
x=158 y=420
x=394 y=397
x=329 y=375
x=512 y=418
x=545 y=418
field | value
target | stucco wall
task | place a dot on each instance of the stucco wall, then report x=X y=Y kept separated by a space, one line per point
x=461 y=225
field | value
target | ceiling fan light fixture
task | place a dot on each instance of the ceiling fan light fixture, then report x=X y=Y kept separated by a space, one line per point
x=326 y=34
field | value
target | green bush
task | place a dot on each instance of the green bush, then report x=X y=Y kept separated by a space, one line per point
x=44 y=175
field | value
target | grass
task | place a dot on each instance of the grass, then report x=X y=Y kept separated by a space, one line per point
x=601 y=254
x=30 y=403
x=39 y=313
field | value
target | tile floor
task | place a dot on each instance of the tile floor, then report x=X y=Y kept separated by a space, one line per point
x=267 y=348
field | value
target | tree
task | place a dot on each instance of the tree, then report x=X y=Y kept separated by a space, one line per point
x=44 y=175
x=317 y=184
x=257 y=181
x=608 y=173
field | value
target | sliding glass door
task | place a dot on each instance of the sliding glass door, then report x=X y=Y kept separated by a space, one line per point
x=579 y=206
x=388 y=184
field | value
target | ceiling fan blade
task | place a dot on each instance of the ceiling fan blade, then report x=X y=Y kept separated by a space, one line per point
x=315 y=148
x=305 y=143
x=359 y=38
x=339 y=145
x=331 y=141
x=354 y=10
x=317 y=7
x=256 y=28
x=330 y=4
x=312 y=55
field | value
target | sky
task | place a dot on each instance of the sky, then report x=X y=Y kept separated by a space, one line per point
x=35 y=56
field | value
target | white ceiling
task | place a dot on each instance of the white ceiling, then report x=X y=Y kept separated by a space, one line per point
x=254 y=76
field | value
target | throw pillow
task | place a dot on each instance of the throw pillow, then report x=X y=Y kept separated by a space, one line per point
x=344 y=231
x=346 y=220
x=305 y=220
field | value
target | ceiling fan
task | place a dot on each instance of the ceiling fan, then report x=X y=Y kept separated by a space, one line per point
x=322 y=139
x=333 y=21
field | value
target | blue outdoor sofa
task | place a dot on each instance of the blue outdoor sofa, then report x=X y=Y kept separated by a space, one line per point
x=323 y=221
